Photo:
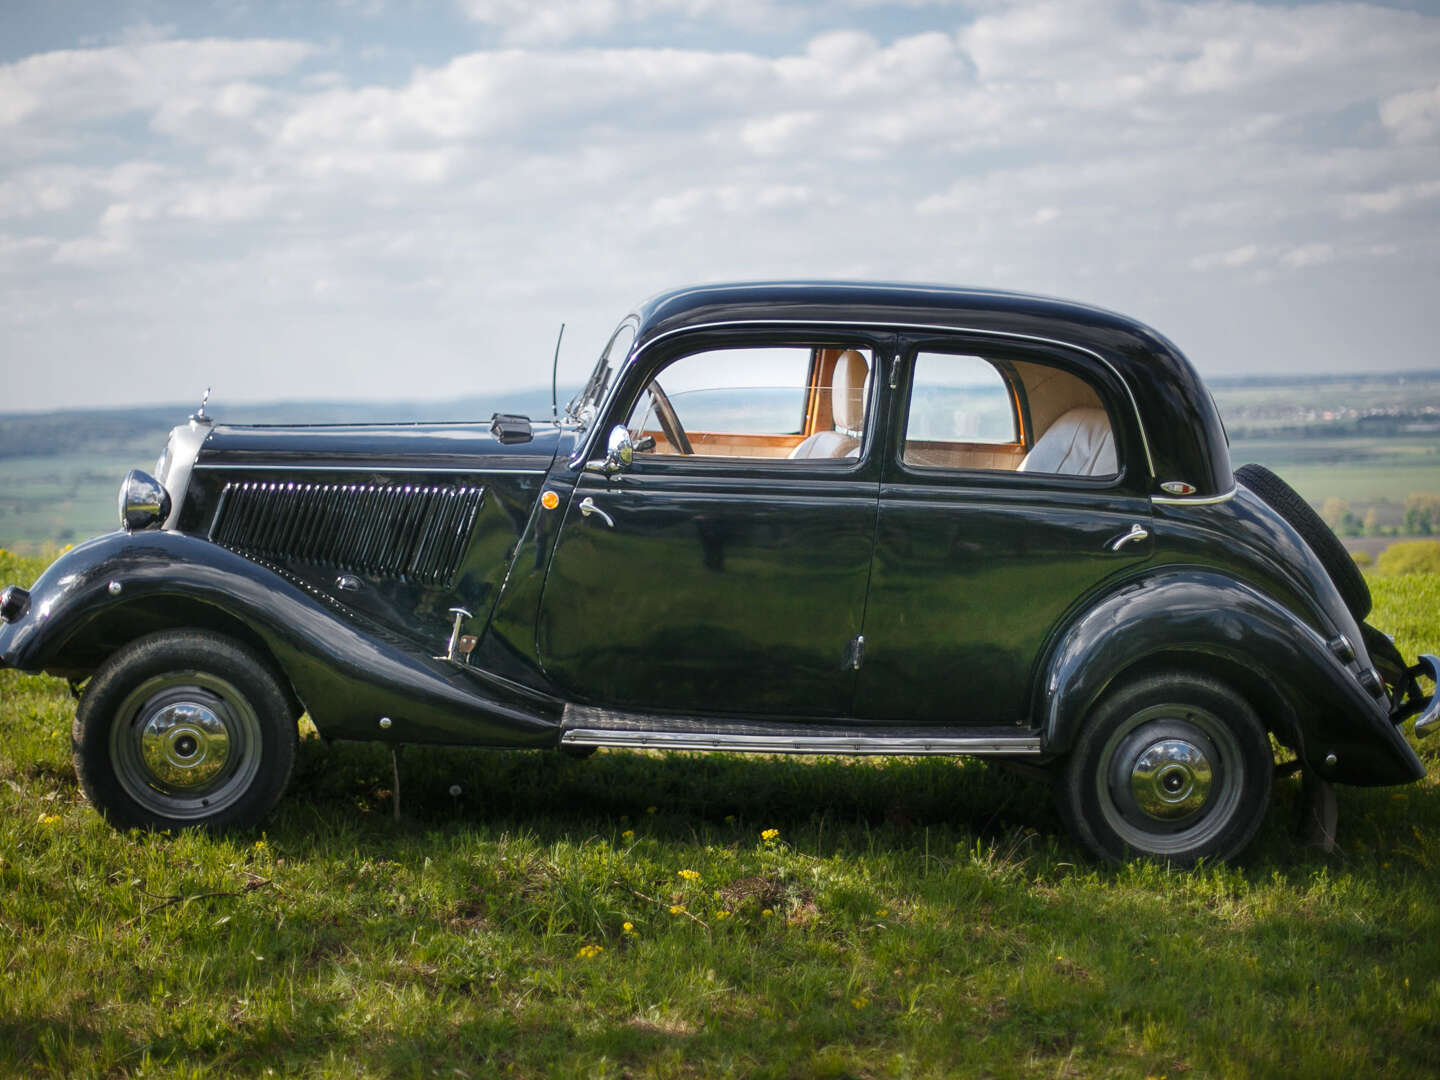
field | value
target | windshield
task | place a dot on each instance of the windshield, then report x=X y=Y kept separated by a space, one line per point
x=582 y=407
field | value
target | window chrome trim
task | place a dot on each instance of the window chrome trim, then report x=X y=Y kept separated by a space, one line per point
x=1197 y=500
x=899 y=328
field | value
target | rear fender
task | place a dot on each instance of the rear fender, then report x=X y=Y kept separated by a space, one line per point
x=1207 y=620
x=347 y=671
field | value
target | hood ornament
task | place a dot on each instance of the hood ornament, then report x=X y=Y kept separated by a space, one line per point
x=200 y=416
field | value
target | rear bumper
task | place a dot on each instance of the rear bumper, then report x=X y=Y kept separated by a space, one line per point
x=1429 y=716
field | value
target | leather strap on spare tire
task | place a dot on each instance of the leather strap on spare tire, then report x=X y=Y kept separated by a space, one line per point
x=1286 y=502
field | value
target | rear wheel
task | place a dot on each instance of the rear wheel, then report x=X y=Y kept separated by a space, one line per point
x=1173 y=767
x=181 y=729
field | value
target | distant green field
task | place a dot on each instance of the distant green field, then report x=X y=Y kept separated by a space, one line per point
x=1358 y=470
x=58 y=500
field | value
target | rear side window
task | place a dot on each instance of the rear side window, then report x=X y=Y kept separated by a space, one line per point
x=969 y=412
x=962 y=415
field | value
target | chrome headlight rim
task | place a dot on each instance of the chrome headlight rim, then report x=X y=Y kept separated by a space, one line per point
x=144 y=503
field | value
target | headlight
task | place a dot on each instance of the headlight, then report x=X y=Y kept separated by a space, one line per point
x=144 y=502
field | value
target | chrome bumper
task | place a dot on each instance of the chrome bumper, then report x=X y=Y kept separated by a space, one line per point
x=1427 y=720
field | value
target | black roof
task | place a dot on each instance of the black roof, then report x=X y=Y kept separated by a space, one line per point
x=1179 y=422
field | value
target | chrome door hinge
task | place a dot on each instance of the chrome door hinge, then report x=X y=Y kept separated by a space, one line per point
x=856 y=651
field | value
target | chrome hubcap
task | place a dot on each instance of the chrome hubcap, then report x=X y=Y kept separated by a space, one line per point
x=1170 y=779
x=184 y=744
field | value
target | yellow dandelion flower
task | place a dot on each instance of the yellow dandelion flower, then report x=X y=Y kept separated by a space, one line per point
x=860 y=1002
x=770 y=834
x=677 y=909
x=261 y=845
x=49 y=819
x=628 y=834
x=652 y=809
x=690 y=875
x=880 y=913
x=628 y=927
x=726 y=915
x=766 y=913
x=589 y=952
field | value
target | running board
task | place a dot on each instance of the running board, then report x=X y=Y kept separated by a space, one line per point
x=585 y=726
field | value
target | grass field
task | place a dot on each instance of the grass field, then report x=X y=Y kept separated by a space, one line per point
x=1360 y=471
x=60 y=500
x=634 y=915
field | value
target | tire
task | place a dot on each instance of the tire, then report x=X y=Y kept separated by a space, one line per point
x=184 y=729
x=1286 y=502
x=1174 y=768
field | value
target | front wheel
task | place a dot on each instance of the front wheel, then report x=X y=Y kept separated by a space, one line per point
x=184 y=729
x=1171 y=767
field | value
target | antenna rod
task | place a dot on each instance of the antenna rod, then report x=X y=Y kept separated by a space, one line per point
x=554 y=375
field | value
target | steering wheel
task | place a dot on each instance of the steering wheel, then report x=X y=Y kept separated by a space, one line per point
x=669 y=422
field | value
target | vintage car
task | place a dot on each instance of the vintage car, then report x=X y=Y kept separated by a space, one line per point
x=816 y=518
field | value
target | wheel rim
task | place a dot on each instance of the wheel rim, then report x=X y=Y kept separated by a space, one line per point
x=1171 y=779
x=185 y=744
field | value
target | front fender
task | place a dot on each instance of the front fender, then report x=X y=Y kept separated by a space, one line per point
x=345 y=669
x=1200 y=617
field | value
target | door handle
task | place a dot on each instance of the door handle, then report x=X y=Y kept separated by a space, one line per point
x=588 y=507
x=1137 y=533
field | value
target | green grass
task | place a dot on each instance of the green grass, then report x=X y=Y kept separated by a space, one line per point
x=926 y=918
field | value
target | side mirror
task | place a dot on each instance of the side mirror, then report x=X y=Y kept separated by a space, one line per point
x=619 y=453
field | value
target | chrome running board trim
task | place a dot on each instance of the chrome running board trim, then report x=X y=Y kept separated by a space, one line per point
x=908 y=745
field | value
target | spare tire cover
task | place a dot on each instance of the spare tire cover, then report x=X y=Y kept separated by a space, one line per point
x=1286 y=502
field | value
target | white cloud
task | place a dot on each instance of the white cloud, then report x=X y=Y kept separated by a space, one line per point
x=1227 y=260
x=1316 y=254
x=226 y=198
x=525 y=22
x=82 y=85
x=1414 y=116
x=1393 y=198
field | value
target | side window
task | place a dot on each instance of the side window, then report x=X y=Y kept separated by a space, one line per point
x=1072 y=432
x=969 y=412
x=755 y=402
x=962 y=415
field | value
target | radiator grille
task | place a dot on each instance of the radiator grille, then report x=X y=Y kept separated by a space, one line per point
x=409 y=532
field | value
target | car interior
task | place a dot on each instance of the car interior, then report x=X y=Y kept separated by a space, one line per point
x=808 y=403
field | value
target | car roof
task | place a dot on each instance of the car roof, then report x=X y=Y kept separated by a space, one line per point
x=1176 y=416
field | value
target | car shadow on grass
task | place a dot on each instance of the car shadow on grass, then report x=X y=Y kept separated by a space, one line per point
x=927 y=804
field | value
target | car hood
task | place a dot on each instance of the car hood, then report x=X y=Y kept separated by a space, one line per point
x=483 y=447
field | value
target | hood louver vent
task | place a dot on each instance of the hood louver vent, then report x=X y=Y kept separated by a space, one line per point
x=407 y=532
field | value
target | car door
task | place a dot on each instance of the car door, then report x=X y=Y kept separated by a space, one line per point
x=1002 y=507
x=731 y=579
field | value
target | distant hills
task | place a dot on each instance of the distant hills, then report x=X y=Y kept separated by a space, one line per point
x=120 y=431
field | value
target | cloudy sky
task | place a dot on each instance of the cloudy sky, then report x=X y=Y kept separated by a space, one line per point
x=404 y=198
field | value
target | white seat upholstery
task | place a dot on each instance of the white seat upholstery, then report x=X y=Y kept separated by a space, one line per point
x=847 y=408
x=1078 y=443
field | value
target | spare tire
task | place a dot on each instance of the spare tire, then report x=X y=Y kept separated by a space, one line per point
x=1286 y=502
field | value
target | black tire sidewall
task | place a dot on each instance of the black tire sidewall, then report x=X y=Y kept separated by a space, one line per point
x=1077 y=787
x=182 y=650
